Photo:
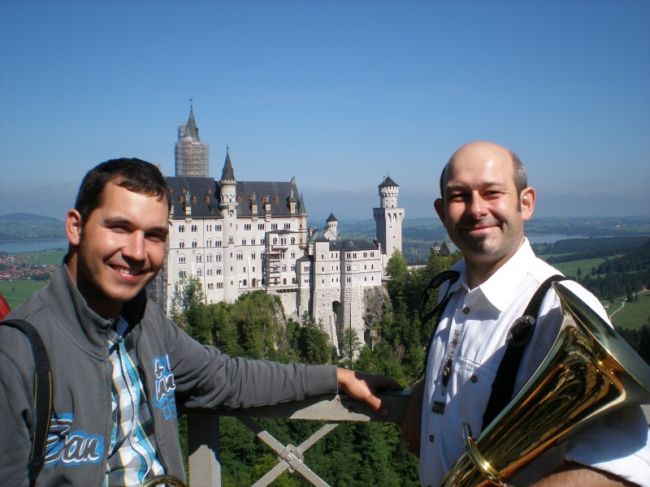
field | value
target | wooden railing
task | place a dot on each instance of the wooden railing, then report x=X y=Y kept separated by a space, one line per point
x=204 y=465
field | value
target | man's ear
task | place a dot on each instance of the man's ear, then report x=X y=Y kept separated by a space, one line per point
x=73 y=226
x=527 y=200
x=440 y=209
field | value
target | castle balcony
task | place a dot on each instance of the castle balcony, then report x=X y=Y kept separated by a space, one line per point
x=203 y=426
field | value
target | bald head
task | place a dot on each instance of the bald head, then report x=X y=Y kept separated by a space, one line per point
x=484 y=150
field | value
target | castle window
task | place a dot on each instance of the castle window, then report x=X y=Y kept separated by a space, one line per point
x=181 y=245
x=199 y=258
x=260 y=226
x=217 y=258
x=208 y=258
x=199 y=272
x=349 y=279
x=245 y=282
x=208 y=228
x=181 y=228
x=247 y=226
x=231 y=240
x=220 y=285
x=193 y=228
x=217 y=227
x=208 y=243
x=275 y=241
x=293 y=255
x=274 y=226
x=182 y=274
x=243 y=241
x=217 y=243
x=210 y=285
x=217 y=271
x=293 y=240
x=194 y=244
x=253 y=256
x=181 y=259
x=208 y=272
x=253 y=241
x=287 y=226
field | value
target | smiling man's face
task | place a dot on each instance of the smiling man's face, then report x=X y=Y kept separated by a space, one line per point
x=118 y=249
x=481 y=208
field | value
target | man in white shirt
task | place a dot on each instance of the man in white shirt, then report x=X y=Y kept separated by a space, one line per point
x=485 y=200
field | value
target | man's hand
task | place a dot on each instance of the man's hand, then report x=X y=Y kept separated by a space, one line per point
x=412 y=419
x=363 y=387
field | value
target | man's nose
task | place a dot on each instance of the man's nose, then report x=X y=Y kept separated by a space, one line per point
x=477 y=205
x=134 y=247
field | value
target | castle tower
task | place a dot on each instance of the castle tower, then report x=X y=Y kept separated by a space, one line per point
x=191 y=153
x=388 y=219
x=331 y=227
x=228 y=205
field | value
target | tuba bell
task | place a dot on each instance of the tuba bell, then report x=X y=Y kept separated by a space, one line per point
x=589 y=371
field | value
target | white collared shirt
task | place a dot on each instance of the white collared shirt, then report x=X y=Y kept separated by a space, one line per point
x=472 y=335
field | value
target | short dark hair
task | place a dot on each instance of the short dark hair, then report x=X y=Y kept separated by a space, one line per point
x=519 y=174
x=133 y=174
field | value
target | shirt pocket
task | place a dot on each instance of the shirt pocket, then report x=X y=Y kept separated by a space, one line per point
x=472 y=391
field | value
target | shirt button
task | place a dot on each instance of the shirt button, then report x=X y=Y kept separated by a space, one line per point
x=473 y=378
x=432 y=438
x=465 y=310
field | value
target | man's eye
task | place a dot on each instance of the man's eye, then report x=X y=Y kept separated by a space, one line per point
x=156 y=237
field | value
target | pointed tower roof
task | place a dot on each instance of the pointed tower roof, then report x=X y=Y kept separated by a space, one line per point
x=301 y=205
x=388 y=182
x=331 y=218
x=191 y=129
x=228 y=173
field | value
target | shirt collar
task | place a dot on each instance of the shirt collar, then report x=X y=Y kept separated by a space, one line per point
x=502 y=286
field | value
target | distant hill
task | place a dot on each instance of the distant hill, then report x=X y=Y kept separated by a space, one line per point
x=27 y=226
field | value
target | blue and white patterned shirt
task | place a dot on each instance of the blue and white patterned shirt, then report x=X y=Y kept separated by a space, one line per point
x=132 y=453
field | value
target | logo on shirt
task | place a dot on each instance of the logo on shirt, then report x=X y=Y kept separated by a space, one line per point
x=71 y=448
x=165 y=387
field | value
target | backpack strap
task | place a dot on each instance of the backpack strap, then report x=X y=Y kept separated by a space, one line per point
x=520 y=334
x=42 y=396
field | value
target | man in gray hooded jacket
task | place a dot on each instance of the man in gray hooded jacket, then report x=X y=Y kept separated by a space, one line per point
x=118 y=362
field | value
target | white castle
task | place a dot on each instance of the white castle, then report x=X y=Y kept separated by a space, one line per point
x=236 y=237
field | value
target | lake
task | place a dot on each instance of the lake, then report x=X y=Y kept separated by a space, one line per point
x=32 y=245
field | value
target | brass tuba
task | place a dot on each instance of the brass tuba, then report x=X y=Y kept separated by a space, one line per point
x=589 y=371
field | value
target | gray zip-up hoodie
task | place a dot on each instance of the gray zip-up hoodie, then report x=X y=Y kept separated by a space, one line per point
x=171 y=364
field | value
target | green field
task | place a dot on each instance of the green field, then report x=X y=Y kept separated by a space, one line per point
x=44 y=257
x=16 y=292
x=570 y=268
x=635 y=314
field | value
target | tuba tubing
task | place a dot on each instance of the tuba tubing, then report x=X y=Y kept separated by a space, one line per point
x=589 y=371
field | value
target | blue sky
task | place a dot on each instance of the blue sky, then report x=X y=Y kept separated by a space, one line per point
x=338 y=94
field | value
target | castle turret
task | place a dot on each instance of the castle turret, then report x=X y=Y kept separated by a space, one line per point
x=388 y=219
x=228 y=205
x=331 y=227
